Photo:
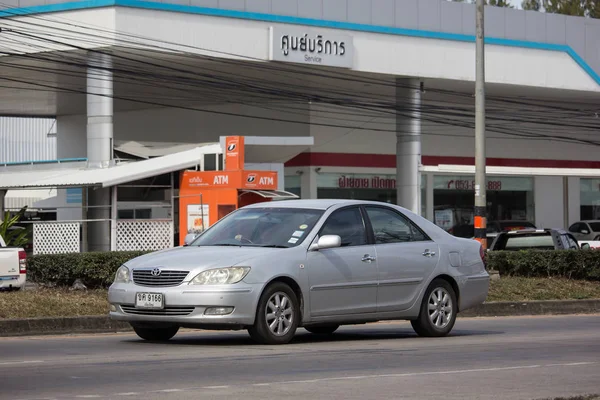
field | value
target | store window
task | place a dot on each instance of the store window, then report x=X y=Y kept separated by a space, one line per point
x=292 y=184
x=589 y=198
x=362 y=187
x=508 y=198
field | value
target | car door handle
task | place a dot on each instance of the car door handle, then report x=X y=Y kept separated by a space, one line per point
x=428 y=253
x=368 y=258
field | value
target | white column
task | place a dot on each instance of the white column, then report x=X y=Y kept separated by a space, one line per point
x=113 y=219
x=574 y=199
x=99 y=147
x=308 y=183
x=408 y=144
x=99 y=111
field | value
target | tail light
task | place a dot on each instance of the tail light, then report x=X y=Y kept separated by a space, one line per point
x=22 y=262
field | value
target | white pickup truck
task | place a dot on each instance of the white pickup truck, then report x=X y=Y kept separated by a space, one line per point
x=13 y=267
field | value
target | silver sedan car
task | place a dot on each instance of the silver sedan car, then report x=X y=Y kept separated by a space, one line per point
x=317 y=264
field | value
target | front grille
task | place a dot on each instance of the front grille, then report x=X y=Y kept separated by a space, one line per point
x=167 y=311
x=144 y=277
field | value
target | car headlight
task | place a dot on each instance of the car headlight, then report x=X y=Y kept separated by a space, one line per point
x=220 y=276
x=122 y=275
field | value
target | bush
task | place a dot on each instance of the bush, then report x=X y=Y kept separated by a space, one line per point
x=572 y=264
x=95 y=269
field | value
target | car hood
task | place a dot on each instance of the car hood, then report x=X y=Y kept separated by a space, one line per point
x=193 y=257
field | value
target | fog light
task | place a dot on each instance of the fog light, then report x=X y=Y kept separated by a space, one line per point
x=218 y=310
x=113 y=308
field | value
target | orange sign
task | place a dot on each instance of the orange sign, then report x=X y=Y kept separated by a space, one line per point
x=234 y=153
x=259 y=180
x=210 y=180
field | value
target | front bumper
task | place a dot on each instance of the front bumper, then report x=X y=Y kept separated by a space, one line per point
x=185 y=305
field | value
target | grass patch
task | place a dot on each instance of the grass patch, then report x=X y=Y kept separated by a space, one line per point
x=521 y=289
x=52 y=303
x=66 y=303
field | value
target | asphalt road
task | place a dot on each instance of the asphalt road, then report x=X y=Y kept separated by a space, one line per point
x=485 y=358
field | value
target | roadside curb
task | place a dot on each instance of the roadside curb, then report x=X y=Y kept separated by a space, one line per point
x=103 y=324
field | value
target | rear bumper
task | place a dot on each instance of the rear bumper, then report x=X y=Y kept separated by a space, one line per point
x=12 y=281
x=474 y=291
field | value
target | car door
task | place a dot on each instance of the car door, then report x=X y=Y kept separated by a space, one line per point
x=406 y=257
x=343 y=280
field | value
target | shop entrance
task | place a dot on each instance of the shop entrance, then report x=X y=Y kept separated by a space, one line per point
x=508 y=198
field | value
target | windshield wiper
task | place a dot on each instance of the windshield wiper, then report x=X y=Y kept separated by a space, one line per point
x=275 y=246
x=226 y=244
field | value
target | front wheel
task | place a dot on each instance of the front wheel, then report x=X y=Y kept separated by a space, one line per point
x=156 y=334
x=438 y=310
x=277 y=315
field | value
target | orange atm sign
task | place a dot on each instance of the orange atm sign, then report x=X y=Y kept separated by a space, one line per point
x=196 y=180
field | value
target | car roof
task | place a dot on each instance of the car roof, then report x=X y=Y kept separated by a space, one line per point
x=590 y=220
x=534 y=230
x=316 y=204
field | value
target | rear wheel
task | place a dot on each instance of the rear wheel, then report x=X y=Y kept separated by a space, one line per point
x=156 y=334
x=322 y=330
x=438 y=310
x=277 y=315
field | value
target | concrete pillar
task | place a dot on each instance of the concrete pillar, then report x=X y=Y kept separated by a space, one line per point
x=99 y=147
x=408 y=144
x=2 y=194
x=308 y=183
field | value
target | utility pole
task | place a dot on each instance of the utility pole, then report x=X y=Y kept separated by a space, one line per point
x=480 y=220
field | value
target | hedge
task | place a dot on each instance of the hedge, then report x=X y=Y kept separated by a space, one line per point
x=572 y=264
x=94 y=269
x=97 y=270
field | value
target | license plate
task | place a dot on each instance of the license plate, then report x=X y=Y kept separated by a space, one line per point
x=149 y=300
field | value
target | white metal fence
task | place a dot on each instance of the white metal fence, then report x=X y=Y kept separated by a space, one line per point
x=144 y=234
x=56 y=237
x=50 y=237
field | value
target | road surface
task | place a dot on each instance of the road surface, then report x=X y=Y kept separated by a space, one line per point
x=485 y=358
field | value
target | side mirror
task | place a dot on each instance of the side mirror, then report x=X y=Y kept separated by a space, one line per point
x=585 y=246
x=326 y=242
x=584 y=231
x=189 y=238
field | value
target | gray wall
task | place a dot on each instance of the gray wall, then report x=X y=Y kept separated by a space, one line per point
x=581 y=34
x=27 y=139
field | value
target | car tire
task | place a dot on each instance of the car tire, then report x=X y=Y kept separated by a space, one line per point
x=156 y=334
x=270 y=327
x=436 y=322
x=322 y=330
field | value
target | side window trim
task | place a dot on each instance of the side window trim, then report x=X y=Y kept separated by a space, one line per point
x=412 y=226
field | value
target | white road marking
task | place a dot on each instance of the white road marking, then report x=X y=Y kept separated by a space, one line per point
x=128 y=394
x=169 y=390
x=22 y=362
x=215 y=387
x=412 y=374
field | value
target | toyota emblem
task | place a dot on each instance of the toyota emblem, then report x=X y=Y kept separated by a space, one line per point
x=155 y=272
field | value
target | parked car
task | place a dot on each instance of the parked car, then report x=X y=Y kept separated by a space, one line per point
x=13 y=267
x=495 y=227
x=586 y=230
x=318 y=264
x=535 y=239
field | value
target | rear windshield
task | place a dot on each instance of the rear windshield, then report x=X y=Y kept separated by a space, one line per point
x=515 y=225
x=595 y=226
x=539 y=241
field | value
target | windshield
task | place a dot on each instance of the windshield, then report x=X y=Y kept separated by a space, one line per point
x=539 y=241
x=261 y=227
